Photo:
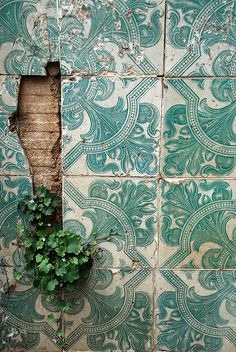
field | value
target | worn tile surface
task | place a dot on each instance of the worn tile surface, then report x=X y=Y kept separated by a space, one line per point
x=12 y=158
x=198 y=225
x=25 y=316
x=111 y=36
x=200 y=38
x=198 y=136
x=24 y=40
x=148 y=154
x=11 y=190
x=123 y=209
x=195 y=311
x=111 y=125
x=113 y=311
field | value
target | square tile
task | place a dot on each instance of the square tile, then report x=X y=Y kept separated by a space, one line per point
x=11 y=190
x=121 y=36
x=25 y=313
x=198 y=137
x=12 y=157
x=25 y=44
x=123 y=209
x=200 y=39
x=111 y=311
x=198 y=224
x=195 y=311
x=111 y=125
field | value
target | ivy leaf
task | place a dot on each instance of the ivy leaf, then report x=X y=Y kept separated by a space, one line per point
x=64 y=306
x=59 y=332
x=27 y=243
x=74 y=260
x=74 y=247
x=51 y=242
x=52 y=284
x=61 y=271
x=55 y=202
x=32 y=205
x=39 y=244
x=48 y=211
x=51 y=318
x=47 y=201
x=44 y=266
x=17 y=275
x=39 y=258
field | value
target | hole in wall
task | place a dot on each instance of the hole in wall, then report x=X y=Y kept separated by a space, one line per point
x=38 y=124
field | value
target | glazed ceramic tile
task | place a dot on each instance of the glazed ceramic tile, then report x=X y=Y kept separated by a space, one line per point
x=200 y=38
x=11 y=190
x=198 y=225
x=25 y=316
x=195 y=311
x=24 y=41
x=112 y=311
x=198 y=137
x=111 y=125
x=115 y=36
x=120 y=213
x=53 y=29
x=12 y=157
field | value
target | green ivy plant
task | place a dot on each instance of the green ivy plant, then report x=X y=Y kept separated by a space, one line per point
x=55 y=259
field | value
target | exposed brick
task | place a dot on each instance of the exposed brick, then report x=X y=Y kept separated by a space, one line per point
x=39 y=129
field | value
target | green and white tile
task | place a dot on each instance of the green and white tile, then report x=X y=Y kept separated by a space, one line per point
x=111 y=125
x=12 y=158
x=198 y=131
x=25 y=312
x=198 y=225
x=112 y=312
x=28 y=38
x=200 y=38
x=122 y=36
x=196 y=311
x=11 y=190
x=120 y=213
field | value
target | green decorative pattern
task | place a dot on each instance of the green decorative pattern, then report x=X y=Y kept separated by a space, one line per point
x=117 y=36
x=199 y=134
x=148 y=168
x=11 y=190
x=123 y=209
x=12 y=157
x=197 y=311
x=201 y=38
x=199 y=220
x=125 y=325
x=104 y=137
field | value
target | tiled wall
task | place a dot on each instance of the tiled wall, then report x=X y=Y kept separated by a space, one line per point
x=149 y=146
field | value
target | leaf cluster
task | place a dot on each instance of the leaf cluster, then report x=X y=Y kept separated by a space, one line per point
x=54 y=258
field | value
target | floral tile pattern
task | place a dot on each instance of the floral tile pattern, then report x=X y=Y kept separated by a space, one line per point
x=113 y=311
x=11 y=190
x=122 y=209
x=199 y=128
x=200 y=38
x=149 y=170
x=196 y=311
x=26 y=325
x=115 y=36
x=29 y=38
x=12 y=157
x=111 y=125
x=198 y=225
